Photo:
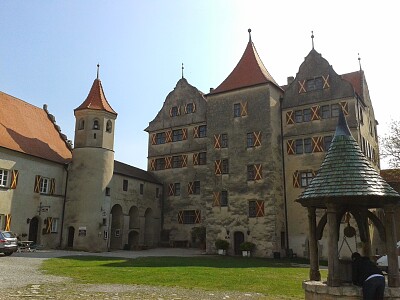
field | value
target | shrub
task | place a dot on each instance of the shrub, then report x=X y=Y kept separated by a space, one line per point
x=222 y=244
x=199 y=234
x=247 y=246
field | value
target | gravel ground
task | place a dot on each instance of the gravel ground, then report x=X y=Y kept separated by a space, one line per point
x=20 y=278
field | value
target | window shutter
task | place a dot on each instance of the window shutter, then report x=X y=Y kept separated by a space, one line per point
x=217 y=199
x=317 y=144
x=52 y=186
x=260 y=208
x=194 y=107
x=14 y=179
x=217 y=141
x=168 y=162
x=198 y=216
x=326 y=83
x=178 y=113
x=171 y=189
x=217 y=167
x=180 y=217
x=168 y=136
x=184 y=133
x=243 y=106
x=314 y=173
x=184 y=160
x=195 y=159
x=185 y=108
x=152 y=164
x=7 y=226
x=315 y=113
x=190 y=188
x=296 y=179
x=257 y=138
x=196 y=132
x=258 y=172
x=37 y=184
x=345 y=107
x=302 y=88
x=153 y=139
x=289 y=117
x=170 y=112
x=290 y=147
x=49 y=222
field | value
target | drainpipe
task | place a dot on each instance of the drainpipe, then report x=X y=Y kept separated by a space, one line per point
x=63 y=209
x=284 y=178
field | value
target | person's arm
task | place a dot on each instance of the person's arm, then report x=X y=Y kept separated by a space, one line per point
x=354 y=273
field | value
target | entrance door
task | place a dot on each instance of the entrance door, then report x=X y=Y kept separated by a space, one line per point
x=71 y=234
x=238 y=238
x=33 y=230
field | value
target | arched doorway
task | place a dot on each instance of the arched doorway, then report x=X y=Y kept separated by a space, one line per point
x=33 y=229
x=116 y=227
x=71 y=234
x=148 y=227
x=238 y=238
x=133 y=240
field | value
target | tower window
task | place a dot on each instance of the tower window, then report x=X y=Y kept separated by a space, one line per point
x=81 y=125
x=125 y=185
x=141 y=188
x=109 y=126
x=96 y=125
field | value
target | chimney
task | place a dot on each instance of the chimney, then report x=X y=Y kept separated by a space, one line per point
x=290 y=79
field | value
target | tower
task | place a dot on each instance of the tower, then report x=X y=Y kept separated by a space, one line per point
x=87 y=205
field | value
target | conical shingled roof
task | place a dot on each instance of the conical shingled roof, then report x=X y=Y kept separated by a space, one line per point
x=346 y=177
x=249 y=71
x=96 y=99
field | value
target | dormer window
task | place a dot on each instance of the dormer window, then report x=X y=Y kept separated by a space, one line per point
x=96 y=125
x=81 y=125
x=109 y=126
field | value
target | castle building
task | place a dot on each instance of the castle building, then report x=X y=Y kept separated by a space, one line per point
x=231 y=162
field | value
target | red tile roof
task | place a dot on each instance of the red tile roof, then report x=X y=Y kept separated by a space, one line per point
x=355 y=78
x=248 y=72
x=28 y=129
x=391 y=175
x=96 y=99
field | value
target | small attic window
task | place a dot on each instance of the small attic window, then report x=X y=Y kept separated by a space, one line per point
x=314 y=84
x=189 y=108
x=81 y=124
x=109 y=126
x=96 y=125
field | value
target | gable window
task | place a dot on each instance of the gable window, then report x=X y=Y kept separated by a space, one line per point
x=96 y=125
x=109 y=126
x=314 y=84
x=224 y=140
x=177 y=135
x=44 y=185
x=305 y=178
x=307 y=115
x=3 y=177
x=335 y=110
x=325 y=112
x=224 y=198
x=174 y=111
x=298 y=116
x=202 y=131
x=189 y=108
x=299 y=146
x=202 y=158
x=125 y=185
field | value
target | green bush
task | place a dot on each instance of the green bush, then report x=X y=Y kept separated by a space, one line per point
x=222 y=244
x=247 y=246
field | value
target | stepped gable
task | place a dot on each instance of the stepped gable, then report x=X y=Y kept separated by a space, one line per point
x=347 y=177
x=249 y=71
x=96 y=99
x=30 y=130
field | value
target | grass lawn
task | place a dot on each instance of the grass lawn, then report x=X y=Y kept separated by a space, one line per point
x=276 y=278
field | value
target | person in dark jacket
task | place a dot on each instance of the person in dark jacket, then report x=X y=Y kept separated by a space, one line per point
x=367 y=275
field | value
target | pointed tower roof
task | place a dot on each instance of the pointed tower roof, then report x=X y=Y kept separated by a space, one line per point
x=346 y=177
x=249 y=71
x=96 y=99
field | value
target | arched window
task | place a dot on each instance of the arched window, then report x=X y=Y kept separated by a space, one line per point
x=96 y=125
x=81 y=125
x=109 y=126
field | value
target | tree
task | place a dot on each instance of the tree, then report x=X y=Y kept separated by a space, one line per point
x=390 y=144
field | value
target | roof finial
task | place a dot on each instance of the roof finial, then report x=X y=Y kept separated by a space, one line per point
x=98 y=69
x=359 y=61
x=249 y=31
x=182 y=69
x=312 y=38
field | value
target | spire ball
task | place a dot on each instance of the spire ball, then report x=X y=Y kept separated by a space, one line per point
x=249 y=31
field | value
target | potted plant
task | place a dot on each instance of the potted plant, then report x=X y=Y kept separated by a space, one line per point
x=199 y=235
x=222 y=246
x=246 y=248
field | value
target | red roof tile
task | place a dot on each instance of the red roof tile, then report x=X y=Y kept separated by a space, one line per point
x=248 y=72
x=355 y=78
x=28 y=129
x=96 y=99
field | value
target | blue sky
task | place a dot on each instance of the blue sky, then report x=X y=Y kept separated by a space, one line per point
x=49 y=51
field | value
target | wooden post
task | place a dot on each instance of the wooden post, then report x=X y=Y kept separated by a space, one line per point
x=333 y=255
x=393 y=264
x=313 y=245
